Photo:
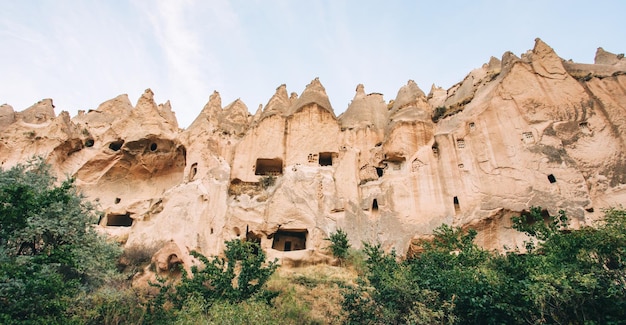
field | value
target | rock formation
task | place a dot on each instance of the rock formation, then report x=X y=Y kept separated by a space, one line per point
x=534 y=130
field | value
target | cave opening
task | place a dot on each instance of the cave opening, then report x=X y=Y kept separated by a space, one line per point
x=325 y=158
x=266 y=166
x=193 y=171
x=290 y=240
x=119 y=220
x=153 y=146
x=254 y=238
x=551 y=179
x=375 y=205
x=457 y=207
x=116 y=145
x=89 y=143
x=380 y=171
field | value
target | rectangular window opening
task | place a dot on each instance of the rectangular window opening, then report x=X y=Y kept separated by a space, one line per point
x=289 y=240
x=266 y=166
x=119 y=220
x=326 y=159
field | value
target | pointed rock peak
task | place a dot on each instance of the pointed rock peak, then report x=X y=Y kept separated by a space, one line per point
x=508 y=60
x=40 y=112
x=167 y=106
x=237 y=105
x=7 y=115
x=148 y=93
x=165 y=110
x=258 y=112
x=437 y=96
x=214 y=105
x=541 y=48
x=407 y=95
x=281 y=89
x=234 y=118
x=434 y=89
x=119 y=106
x=494 y=64
x=314 y=93
x=360 y=91
x=210 y=111
x=215 y=99
x=279 y=103
x=236 y=110
x=606 y=57
x=365 y=111
x=146 y=103
x=545 y=62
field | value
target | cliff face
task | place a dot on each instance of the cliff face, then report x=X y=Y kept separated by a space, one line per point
x=517 y=132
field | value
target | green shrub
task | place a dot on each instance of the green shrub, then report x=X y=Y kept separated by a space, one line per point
x=339 y=244
x=267 y=181
x=109 y=306
x=438 y=113
x=49 y=251
x=566 y=276
x=237 y=277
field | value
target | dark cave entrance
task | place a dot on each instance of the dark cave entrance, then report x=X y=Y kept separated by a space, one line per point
x=266 y=166
x=116 y=145
x=326 y=158
x=119 y=220
x=290 y=240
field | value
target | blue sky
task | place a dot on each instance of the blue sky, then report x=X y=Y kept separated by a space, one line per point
x=81 y=53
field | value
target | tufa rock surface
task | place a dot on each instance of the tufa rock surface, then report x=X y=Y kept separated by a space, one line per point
x=534 y=130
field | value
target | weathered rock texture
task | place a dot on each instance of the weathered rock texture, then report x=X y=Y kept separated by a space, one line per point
x=515 y=133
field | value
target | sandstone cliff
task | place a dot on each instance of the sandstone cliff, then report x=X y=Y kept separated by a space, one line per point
x=517 y=132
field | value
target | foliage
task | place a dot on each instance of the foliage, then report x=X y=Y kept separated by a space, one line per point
x=339 y=245
x=48 y=250
x=534 y=224
x=388 y=294
x=566 y=276
x=109 y=305
x=267 y=181
x=438 y=113
x=237 y=277
x=135 y=258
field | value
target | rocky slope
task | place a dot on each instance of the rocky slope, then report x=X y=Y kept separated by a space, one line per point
x=517 y=132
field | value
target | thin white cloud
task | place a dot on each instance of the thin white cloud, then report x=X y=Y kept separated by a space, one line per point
x=192 y=36
x=82 y=53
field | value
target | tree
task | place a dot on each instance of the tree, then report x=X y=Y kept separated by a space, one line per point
x=390 y=295
x=565 y=276
x=237 y=277
x=339 y=245
x=49 y=250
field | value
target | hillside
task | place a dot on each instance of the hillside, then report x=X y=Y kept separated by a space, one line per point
x=518 y=132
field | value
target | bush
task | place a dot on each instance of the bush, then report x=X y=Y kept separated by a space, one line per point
x=109 y=306
x=566 y=277
x=339 y=245
x=439 y=113
x=267 y=181
x=136 y=257
x=49 y=251
x=237 y=277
